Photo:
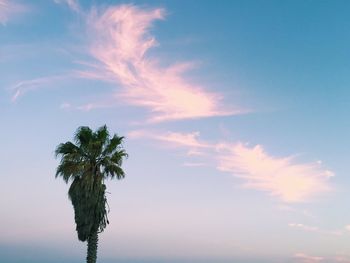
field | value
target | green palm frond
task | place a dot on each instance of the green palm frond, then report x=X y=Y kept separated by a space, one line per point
x=67 y=148
x=93 y=157
x=113 y=145
x=111 y=169
x=90 y=207
x=118 y=157
x=69 y=170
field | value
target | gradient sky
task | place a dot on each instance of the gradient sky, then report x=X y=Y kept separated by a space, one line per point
x=236 y=118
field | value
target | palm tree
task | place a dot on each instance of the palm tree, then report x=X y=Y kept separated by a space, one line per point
x=94 y=157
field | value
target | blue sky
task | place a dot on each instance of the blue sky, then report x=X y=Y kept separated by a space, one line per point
x=236 y=123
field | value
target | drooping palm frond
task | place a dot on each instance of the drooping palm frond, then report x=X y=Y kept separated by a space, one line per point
x=90 y=208
x=114 y=144
x=111 y=166
x=94 y=157
x=73 y=162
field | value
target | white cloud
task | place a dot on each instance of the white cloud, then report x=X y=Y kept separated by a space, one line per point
x=65 y=106
x=22 y=87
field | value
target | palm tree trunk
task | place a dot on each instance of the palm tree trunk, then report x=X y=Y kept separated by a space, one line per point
x=92 y=247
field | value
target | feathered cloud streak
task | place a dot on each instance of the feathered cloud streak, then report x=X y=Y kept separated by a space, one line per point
x=72 y=4
x=283 y=178
x=22 y=87
x=304 y=258
x=8 y=9
x=188 y=141
x=315 y=229
x=120 y=41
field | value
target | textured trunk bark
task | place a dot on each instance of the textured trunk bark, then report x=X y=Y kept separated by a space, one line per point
x=92 y=248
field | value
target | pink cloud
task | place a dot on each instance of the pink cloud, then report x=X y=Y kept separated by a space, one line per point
x=188 y=141
x=283 y=178
x=121 y=40
x=342 y=259
x=280 y=177
x=304 y=258
x=9 y=9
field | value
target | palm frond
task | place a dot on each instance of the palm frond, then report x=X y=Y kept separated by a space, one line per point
x=102 y=134
x=119 y=156
x=83 y=136
x=69 y=169
x=94 y=157
x=66 y=148
x=114 y=144
x=90 y=208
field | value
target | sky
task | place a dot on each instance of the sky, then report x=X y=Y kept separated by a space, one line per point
x=235 y=117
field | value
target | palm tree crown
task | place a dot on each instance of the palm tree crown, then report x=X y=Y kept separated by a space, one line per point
x=94 y=157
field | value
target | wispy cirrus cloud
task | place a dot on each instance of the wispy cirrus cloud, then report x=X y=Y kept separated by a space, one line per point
x=9 y=9
x=314 y=229
x=72 y=4
x=193 y=164
x=120 y=42
x=304 y=258
x=22 y=87
x=65 y=106
x=289 y=208
x=281 y=177
x=342 y=259
x=188 y=141
x=304 y=227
